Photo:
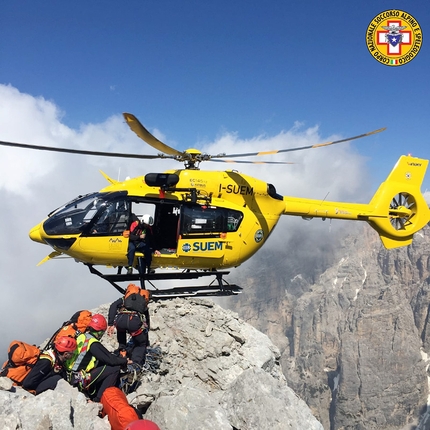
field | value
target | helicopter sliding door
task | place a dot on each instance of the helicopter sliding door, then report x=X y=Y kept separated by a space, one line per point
x=203 y=232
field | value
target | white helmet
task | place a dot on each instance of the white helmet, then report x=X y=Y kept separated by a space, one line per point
x=147 y=219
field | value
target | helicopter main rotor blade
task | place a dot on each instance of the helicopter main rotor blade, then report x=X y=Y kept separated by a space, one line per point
x=83 y=152
x=300 y=148
x=145 y=135
x=191 y=156
x=250 y=162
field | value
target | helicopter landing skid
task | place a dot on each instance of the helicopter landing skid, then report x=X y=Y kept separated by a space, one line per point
x=218 y=287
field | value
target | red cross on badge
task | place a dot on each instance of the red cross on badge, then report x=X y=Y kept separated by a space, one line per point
x=394 y=37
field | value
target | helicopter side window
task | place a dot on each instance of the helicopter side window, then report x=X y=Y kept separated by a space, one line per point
x=122 y=216
x=204 y=220
x=233 y=220
x=103 y=223
x=113 y=218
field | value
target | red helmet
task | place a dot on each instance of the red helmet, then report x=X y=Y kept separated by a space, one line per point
x=142 y=425
x=98 y=323
x=65 y=344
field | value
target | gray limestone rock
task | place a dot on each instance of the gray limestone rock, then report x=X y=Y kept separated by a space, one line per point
x=255 y=402
x=188 y=409
x=62 y=409
x=354 y=335
x=216 y=372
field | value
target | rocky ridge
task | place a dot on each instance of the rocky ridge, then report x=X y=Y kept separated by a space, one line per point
x=354 y=335
x=216 y=372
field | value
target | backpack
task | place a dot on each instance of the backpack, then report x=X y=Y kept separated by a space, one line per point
x=76 y=325
x=117 y=408
x=21 y=359
x=136 y=298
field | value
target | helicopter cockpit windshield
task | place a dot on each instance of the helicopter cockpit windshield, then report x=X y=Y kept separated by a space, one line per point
x=78 y=215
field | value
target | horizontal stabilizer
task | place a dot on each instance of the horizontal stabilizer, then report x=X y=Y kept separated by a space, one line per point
x=390 y=243
x=50 y=257
x=108 y=178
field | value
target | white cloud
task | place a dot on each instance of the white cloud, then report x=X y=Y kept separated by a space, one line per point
x=337 y=170
x=35 y=300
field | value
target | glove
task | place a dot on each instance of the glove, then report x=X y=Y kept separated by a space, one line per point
x=111 y=330
x=80 y=379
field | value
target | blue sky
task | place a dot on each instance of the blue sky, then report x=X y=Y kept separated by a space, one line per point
x=194 y=69
x=226 y=76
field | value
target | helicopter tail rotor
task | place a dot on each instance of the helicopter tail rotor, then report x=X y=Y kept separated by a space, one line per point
x=400 y=208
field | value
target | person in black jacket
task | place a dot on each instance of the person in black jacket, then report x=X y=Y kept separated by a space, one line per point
x=49 y=368
x=141 y=239
x=93 y=368
x=127 y=320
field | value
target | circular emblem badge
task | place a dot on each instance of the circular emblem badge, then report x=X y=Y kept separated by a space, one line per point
x=186 y=247
x=394 y=37
x=259 y=235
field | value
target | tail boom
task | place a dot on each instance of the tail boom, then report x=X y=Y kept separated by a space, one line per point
x=397 y=210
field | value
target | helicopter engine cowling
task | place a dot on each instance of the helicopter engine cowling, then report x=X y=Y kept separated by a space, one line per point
x=161 y=179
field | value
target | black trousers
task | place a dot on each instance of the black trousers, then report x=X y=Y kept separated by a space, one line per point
x=102 y=377
x=141 y=247
x=132 y=323
x=48 y=384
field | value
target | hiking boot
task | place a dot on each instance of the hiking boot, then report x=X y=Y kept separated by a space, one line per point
x=151 y=271
x=129 y=270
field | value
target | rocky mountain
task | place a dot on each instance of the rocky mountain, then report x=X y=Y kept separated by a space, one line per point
x=352 y=322
x=216 y=373
x=350 y=319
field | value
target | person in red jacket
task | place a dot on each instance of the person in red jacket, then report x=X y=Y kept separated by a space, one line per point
x=141 y=239
x=49 y=368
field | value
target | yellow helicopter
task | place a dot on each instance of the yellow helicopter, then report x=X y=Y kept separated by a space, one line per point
x=209 y=221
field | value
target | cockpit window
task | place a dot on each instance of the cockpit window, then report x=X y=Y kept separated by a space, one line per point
x=76 y=216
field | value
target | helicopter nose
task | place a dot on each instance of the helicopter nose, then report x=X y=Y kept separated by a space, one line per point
x=35 y=234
